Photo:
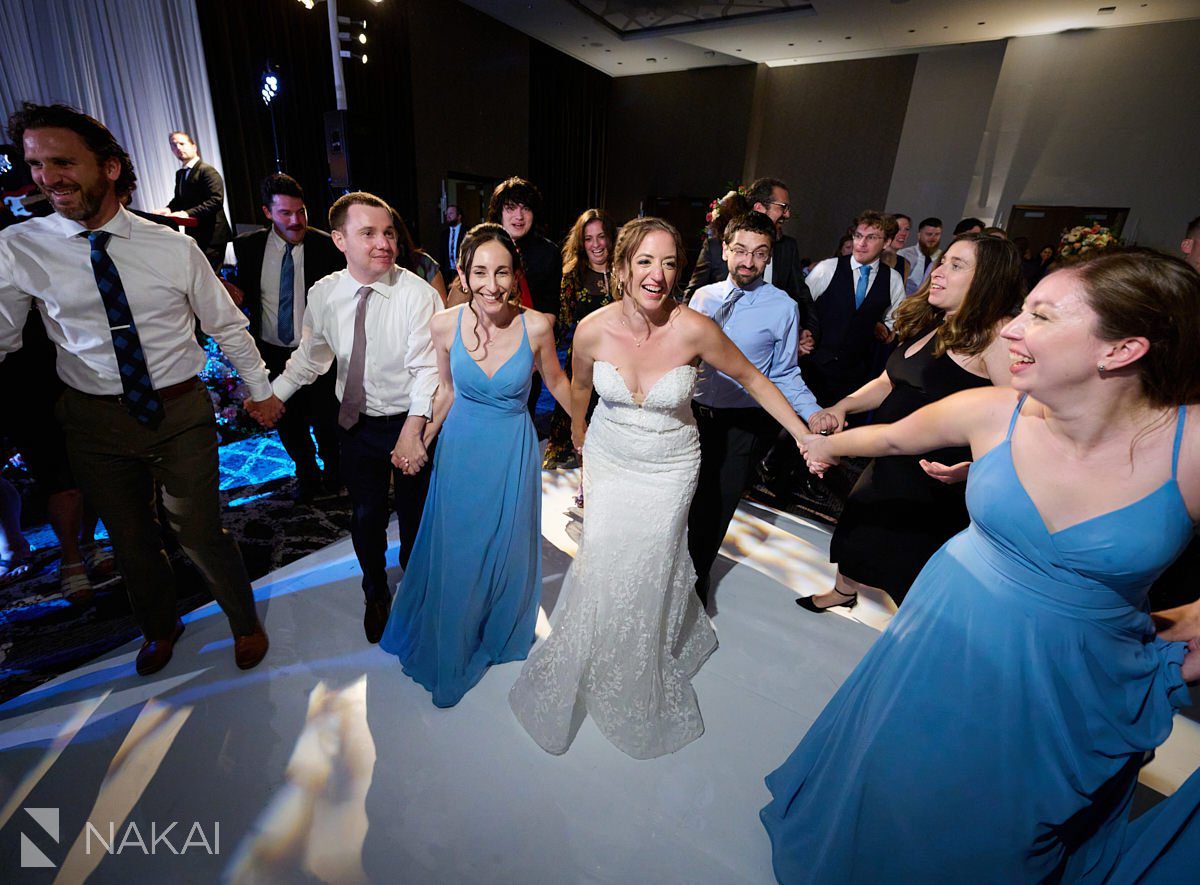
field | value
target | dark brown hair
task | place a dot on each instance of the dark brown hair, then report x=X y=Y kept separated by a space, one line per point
x=873 y=218
x=754 y=221
x=631 y=236
x=514 y=190
x=1145 y=294
x=337 y=212
x=407 y=250
x=574 y=259
x=995 y=294
x=99 y=140
x=476 y=237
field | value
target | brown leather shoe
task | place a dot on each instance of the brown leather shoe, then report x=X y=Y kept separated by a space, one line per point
x=375 y=618
x=250 y=649
x=155 y=653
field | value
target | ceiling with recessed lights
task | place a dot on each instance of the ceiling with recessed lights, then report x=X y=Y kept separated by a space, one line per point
x=626 y=37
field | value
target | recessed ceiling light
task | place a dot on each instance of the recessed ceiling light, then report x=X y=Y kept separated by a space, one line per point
x=1106 y=10
x=652 y=60
x=791 y=44
x=849 y=38
x=912 y=30
x=981 y=23
x=608 y=50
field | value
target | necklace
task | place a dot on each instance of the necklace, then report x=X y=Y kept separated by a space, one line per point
x=633 y=334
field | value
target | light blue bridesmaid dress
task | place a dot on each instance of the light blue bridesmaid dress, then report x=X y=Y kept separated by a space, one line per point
x=994 y=731
x=469 y=598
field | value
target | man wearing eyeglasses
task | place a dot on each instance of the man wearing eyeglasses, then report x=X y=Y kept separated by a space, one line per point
x=854 y=295
x=735 y=432
x=770 y=197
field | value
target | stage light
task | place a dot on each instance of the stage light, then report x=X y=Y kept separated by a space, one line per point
x=270 y=87
x=362 y=38
x=307 y=4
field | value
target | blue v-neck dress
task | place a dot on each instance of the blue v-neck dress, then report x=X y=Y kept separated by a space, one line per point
x=469 y=598
x=994 y=731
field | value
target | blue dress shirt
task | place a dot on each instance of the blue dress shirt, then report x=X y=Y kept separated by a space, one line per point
x=765 y=325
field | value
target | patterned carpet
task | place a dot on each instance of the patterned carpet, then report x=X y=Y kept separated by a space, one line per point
x=42 y=635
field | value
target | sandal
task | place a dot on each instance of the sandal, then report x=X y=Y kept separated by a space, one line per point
x=99 y=560
x=15 y=568
x=74 y=583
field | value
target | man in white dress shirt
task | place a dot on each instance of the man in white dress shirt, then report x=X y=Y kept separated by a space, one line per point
x=373 y=317
x=923 y=254
x=120 y=297
x=855 y=296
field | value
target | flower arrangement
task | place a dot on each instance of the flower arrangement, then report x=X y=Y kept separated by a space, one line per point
x=1079 y=241
x=719 y=206
x=226 y=390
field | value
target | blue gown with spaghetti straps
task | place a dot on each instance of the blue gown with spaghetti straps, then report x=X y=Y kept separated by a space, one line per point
x=994 y=731
x=469 y=598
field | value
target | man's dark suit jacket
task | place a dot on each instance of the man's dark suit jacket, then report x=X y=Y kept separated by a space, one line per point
x=441 y=249
x=202 y=196
x=321 y=258
x=785 y=275
x=543 y=270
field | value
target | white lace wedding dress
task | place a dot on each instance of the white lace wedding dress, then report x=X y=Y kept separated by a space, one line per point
x=628 y=632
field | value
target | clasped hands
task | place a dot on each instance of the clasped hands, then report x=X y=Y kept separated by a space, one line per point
x=816 y=449
x=410 y=454
x=266 y=412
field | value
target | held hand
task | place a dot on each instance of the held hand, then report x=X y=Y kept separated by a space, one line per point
x=578 y=432
x=949 y=474
x=807 y=344
x=1190 y=671
x=827 y=421
x=234 y=292
x=409 y=455
x=883 y=333
x=266 y=412
x=816 y=449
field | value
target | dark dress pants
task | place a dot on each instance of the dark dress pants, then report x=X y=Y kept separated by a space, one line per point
x=314 y=405
x=367 y=471
x=118 y=462
x=732 y=442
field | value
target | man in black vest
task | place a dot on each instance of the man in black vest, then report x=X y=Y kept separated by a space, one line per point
x=854 y=296
x=445 y=252
x=276 y=268
x=199 y=194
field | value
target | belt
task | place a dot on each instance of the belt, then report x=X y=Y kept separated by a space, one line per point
x=380 y=419
x=171 y=391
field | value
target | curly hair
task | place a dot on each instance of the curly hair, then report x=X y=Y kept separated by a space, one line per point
x=98 y=138
x=573 y=257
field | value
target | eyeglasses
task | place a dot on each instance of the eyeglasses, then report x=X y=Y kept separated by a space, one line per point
x=786 y=207
x=866 y=238
x=739 y=253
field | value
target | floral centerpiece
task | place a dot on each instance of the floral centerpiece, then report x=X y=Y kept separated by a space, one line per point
x=1080 y=241
x=226 y=390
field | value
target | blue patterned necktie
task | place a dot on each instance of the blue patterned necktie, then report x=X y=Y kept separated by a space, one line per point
x=860 y=292
x=287 y=289
x=140 y=398
x=721 y=317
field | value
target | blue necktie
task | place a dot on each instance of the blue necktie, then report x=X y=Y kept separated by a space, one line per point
x=287 y=288
x=860 y=292
x=140 y=397
x=721 y=317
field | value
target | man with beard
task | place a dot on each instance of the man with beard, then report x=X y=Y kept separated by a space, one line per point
x=735 y=432
x=121 y=297
x=276 y=268
x=923 y=254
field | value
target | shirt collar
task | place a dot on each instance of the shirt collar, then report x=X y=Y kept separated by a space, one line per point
x=382 y=286
x=190 y=164
x=855 y=264
x=730 y=286
x=120 y=225
x=278 y=242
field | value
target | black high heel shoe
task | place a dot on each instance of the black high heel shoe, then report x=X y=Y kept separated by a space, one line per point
x=806 y=602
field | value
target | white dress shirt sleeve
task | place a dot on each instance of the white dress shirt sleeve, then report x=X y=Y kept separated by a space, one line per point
x=313 y=356
x=820 y=277
x=224 y=323
x=420 y=359
x=14 y=305
x=898 y=293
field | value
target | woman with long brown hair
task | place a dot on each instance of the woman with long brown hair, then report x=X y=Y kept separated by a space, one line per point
x=469 y=599
x=896 y=516
x=586 y=287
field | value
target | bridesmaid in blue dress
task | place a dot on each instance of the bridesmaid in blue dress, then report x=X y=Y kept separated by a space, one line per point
x=469 y=597
x=995 y=730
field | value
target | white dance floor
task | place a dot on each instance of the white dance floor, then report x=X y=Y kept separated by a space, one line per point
x=327 y=764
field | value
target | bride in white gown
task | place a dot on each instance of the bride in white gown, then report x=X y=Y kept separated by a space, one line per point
x=629 y=632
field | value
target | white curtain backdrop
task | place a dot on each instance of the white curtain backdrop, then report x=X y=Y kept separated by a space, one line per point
x=135 y=65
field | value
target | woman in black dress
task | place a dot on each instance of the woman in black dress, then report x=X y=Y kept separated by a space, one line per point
x=898 y=515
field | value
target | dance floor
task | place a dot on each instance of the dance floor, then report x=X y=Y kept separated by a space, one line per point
x=327 y=764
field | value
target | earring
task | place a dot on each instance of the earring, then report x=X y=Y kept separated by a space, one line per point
x=1101 y=366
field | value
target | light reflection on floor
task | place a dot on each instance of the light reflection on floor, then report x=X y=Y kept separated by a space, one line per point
x=326 y=763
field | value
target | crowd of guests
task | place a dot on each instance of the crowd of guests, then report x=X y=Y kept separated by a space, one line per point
x=417 y=376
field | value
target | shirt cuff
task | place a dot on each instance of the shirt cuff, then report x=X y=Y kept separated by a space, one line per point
x=283 y=387
x=421 y=405
x=807 y=412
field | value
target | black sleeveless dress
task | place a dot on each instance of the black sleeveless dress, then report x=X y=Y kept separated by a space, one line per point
x=897 y=516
